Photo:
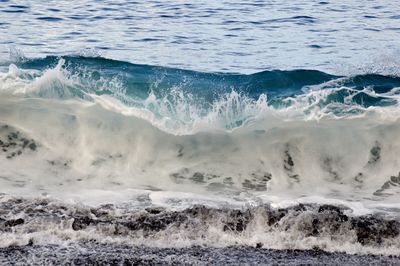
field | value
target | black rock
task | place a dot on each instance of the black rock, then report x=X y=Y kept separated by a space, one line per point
x=329 y=208
x=275 y=216
x=12 y=223
x=238 y=221
x=155 y=210
x=156 y=223
x=371 y=230
x=81 y=223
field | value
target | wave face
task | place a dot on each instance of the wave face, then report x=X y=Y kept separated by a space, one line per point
x=103 y=131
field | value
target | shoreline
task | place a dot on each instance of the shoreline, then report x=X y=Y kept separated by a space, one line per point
x=32 y=225
x=90 y=253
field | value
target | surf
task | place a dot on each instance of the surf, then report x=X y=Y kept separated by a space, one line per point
x=277 y=135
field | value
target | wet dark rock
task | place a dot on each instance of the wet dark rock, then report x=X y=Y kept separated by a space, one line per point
x=238 y=220
x=300 y=207
x=12 y=223
x=328 y=218
x=315 y=225
x=198 y=211
x=155 y=210
x=306 y=219
x=330 y=208
x=92 y=253
x=43 y=203
x=334 y=213
x=371 y=230
x=274 y=216
x=81 y=223
x=155 y=222
x=100 y=212
x=317 y=249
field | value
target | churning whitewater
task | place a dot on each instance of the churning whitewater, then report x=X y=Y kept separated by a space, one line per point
x=279 y=159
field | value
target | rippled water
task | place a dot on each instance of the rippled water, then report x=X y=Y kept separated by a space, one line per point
x=234 y=36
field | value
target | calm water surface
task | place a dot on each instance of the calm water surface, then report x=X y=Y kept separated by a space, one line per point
x=228 y=36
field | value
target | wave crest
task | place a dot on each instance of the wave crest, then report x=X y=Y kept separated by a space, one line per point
x=186 y=102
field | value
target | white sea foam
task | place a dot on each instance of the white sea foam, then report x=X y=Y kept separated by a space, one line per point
x=240 y=144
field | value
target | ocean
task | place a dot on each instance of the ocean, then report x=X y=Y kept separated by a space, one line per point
x=194 y=133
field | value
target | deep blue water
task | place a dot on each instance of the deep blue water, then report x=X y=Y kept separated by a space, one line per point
x=223 y=36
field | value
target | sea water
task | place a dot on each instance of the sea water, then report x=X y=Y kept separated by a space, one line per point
x=243 y=119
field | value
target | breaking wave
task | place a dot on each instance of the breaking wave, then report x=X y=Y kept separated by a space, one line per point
x=99 y=131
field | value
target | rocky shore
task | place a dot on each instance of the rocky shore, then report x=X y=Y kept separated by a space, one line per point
x=91 y=253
